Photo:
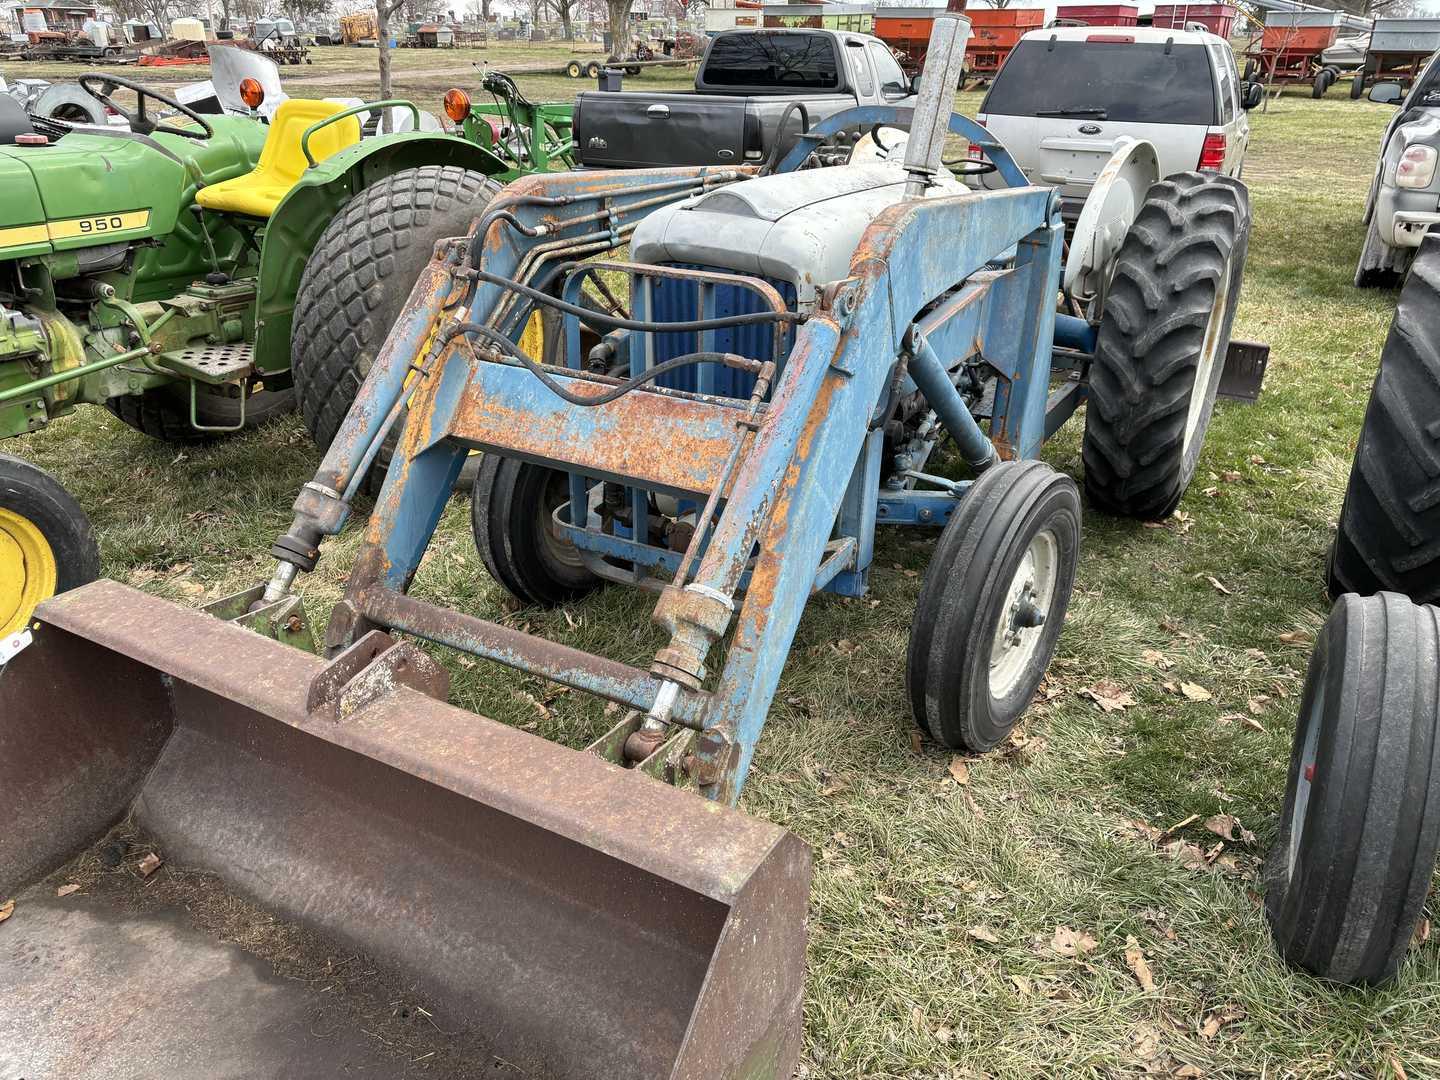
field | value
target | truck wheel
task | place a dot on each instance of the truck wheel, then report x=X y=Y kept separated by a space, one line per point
x=1389 y=532
x=359 y=277
x=163 y=412
x=992 y=604
x=1162 y=343
x=1357 y=87
x=1354 y=855
x=511 y=508
x=46 y=542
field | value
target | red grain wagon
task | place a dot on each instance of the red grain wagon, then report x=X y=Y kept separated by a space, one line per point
x=1219 y=19
x=993 y=33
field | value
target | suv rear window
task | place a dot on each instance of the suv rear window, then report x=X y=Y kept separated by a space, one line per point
x=1117 y=81
x=781 y=61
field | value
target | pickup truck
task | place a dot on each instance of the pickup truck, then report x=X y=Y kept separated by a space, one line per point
x=744 y=89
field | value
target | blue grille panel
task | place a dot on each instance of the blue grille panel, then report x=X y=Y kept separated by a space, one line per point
x=675 y=301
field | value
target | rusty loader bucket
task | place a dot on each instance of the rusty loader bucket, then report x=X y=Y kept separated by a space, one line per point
x=357 y=878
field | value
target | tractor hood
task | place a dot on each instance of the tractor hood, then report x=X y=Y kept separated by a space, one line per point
x=93 y=187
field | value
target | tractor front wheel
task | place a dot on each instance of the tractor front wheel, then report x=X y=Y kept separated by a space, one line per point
x=992 y=603
x=163 y=412
x=360 y=276
x=1162 y=343
x=511 y=512
x=1352 y=862
x=46 y=542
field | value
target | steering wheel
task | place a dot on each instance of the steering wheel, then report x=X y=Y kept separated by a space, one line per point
x=101 y=86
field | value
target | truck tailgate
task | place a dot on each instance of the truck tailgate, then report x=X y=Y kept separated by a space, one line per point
x=631 y=129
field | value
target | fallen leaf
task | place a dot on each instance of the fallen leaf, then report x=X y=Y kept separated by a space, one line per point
x=1230 y=476
x=1022 y=984
x=66 y=890
x=972 y=805
x=981 y=932
x=1156 y=659
x=1218 y=585
x=1295 y=637
x=1187 y=855
x=7 y=909
x=1195 y=692
x=1211 y=493
x=1219 y=1018
x=1146 y=1042
x=1422 y=933
x=1257 y=703
x=888 y=901
x=1068 y=942
x=1397 y=1068
x=1148 y=831
x=916 y=745
x=1108 y=696
x=1182 y=824
x=1138 y=965
x=1190 y=1072
x=917 y=1019
x=1253 y=724
x=1256 y=459
x=959 y=771
x=1228 y=827
x=149 y=864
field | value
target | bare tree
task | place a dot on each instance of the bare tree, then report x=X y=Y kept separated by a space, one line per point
x=567 y=10
x=383 y=10
x=618 y=12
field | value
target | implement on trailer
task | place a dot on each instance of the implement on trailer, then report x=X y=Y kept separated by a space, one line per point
x=732 y=444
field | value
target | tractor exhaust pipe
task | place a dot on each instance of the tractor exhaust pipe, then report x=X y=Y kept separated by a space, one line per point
x=528 y=904
x=935 y=101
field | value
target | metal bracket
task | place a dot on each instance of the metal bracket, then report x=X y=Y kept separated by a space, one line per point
x=375 y=666
x=12 y=645
x=284 y=620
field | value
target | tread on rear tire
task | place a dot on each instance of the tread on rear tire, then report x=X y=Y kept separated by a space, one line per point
x=1389 y=531
x=1162 y=342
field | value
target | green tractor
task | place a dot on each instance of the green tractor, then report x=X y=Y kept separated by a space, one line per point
x=161 y=272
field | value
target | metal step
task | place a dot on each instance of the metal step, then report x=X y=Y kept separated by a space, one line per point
x=215 y=364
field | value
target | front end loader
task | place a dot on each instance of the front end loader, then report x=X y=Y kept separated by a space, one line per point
x=795 y=350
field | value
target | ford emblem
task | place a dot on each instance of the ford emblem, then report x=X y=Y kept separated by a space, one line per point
x=725 y=155
x=1090 y=129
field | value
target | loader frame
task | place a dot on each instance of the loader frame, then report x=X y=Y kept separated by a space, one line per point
x=792 y=474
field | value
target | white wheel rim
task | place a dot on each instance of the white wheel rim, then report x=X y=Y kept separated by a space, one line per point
x=1032 y=588
x=1209 y=357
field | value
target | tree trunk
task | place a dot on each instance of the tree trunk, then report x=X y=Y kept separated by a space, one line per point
x=382 y=50
x=565 y=26
x=619 y=15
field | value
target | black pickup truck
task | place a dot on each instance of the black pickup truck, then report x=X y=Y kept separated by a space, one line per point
x=744 y=85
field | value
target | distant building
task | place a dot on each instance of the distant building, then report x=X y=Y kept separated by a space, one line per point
x=56 y=17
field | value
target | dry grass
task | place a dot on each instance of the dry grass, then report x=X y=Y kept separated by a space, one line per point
x=908 y=862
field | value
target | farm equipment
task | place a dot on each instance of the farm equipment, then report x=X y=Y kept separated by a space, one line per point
x=1397 y=52
x=797 y=344
x=156 y=276
x=530 y=137
x=996 y=33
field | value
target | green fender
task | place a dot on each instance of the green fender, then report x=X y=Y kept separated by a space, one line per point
x=303 y=214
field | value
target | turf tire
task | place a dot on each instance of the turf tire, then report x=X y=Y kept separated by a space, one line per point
x=36 y=496
x=1389 y=532
x=966 y=591
x=1352 y=862
x=163 y=412
x=359 y=277
x=510 y=509
x=1180 y=266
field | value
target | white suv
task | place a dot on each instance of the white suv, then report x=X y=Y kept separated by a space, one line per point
x=1067 y=93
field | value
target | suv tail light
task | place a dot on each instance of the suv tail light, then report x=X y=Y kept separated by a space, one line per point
x=1416 y=168
x=1212 y=154
x=976 y=154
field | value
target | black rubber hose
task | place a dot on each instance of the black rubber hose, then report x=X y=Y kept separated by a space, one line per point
x=510 y=348
x=773 y=158
x=614 y=322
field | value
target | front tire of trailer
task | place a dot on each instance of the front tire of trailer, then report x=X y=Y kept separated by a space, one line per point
x=1354 y=856
x=163 y=412
x=511 y=509
x=992 y=604
x=1162 y=343
x=574 y=70
x=1357 y=87
x=46 y=542
x=359 y=277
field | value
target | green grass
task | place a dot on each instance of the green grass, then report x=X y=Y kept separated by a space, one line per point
x=907 y=862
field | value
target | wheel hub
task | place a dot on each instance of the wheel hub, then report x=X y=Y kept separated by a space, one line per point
x=27 y=570
x=1018 y=630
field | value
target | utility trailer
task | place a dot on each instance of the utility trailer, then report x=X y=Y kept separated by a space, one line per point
x=1398 y=51
x=796 y=347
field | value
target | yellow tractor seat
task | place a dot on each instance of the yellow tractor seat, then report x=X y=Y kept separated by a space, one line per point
x=258 y=192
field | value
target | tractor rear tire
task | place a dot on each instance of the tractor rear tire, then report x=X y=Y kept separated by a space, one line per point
x=46 y=542
x=1162 y=343
x=1352 y=862
x=1389 y=532
x=359 y=277
x=163 y=412
x=511 y=508
x=976 y=653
